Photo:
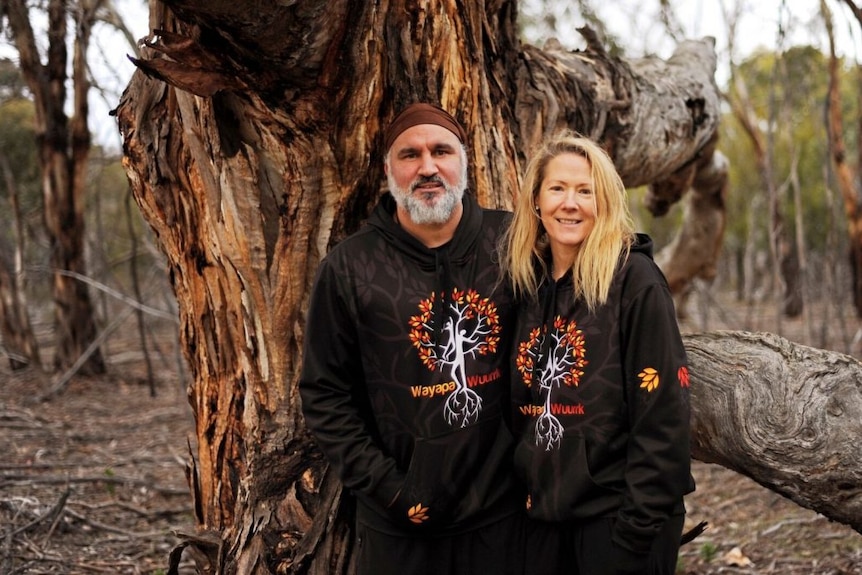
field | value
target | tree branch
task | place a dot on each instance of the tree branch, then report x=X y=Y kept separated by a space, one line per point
x=798 y=435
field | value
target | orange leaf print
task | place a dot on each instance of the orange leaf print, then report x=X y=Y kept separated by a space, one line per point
x=417 y=513
x=458 y=296
x=682 y=374
x=649 y=379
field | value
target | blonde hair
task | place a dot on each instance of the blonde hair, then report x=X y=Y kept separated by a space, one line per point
x=525 y=244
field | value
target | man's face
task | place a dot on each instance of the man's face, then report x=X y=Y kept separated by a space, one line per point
x=426 y=169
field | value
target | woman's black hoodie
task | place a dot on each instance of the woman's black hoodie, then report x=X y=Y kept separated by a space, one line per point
x=601 y=404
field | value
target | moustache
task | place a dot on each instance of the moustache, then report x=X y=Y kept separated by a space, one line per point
x=428 y=180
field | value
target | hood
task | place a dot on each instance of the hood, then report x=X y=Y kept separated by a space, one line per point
x=643 y=244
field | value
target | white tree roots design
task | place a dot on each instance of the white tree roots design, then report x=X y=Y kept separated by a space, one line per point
x=550 y=364
x=471 y=328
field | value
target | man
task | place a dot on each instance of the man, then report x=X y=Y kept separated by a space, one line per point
x=405 y=372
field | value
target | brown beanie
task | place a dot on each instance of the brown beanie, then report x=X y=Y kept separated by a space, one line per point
x=421 y=113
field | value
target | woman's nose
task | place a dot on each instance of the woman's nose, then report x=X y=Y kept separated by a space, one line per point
x=570 y=199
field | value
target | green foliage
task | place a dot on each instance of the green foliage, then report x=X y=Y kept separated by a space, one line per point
x=113 y=218
x=708 y=551
x=110 y=487
x=11 y=80
x=18 y=146
x=19 y=173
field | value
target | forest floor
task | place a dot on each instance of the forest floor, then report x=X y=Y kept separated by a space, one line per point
x=92 y=480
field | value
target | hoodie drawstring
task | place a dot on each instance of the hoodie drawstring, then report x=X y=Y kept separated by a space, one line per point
x=443 y=271
x=549 y=305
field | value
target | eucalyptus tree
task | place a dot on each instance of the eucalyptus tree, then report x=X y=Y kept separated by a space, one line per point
x=63 y=149
x=19 y=197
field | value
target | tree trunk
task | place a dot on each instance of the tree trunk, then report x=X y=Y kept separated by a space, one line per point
x=844 y=172
x=253 y=145
x=786 y=415
x=63 y=154
x=694 y=251
x=785 y=267
x=16 y=331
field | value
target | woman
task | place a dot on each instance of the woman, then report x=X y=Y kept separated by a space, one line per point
x=601 y=386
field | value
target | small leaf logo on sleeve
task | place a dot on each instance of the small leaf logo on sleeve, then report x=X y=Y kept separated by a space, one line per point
x=682 y=374
x=649 y=379
x=418 y=513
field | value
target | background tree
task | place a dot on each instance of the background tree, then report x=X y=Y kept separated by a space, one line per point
x=847 y=174
x=63 y=146
x=19 y=197
x=761 y=126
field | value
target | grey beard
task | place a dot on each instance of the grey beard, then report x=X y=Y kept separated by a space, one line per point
x=422 y=213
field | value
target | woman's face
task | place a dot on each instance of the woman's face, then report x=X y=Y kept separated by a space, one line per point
x=567 y=206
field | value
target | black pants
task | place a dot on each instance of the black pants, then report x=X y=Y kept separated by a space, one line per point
x=496 y=549
x=585 y=548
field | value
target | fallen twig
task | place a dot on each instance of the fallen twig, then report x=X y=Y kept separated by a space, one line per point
x=781 y=524
x=139 y=511
x=60 y=384
x=112 y=529
x=50 y=514
x=11 y=480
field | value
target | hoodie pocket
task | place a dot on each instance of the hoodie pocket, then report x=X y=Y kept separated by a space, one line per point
x=443 y=470
x=559 y=482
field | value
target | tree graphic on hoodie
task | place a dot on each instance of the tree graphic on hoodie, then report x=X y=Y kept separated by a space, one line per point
x=549 y=359
x=468 y=326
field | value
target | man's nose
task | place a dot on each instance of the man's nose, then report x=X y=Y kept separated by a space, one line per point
x=427 y=166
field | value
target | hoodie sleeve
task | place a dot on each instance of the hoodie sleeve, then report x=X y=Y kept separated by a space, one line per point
x=334 y=400
x=658 y=464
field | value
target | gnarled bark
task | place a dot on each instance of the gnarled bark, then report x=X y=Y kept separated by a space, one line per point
x=786 y=415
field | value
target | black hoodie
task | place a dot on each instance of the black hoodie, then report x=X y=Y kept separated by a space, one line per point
x=407 y=401
x=602 y=404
